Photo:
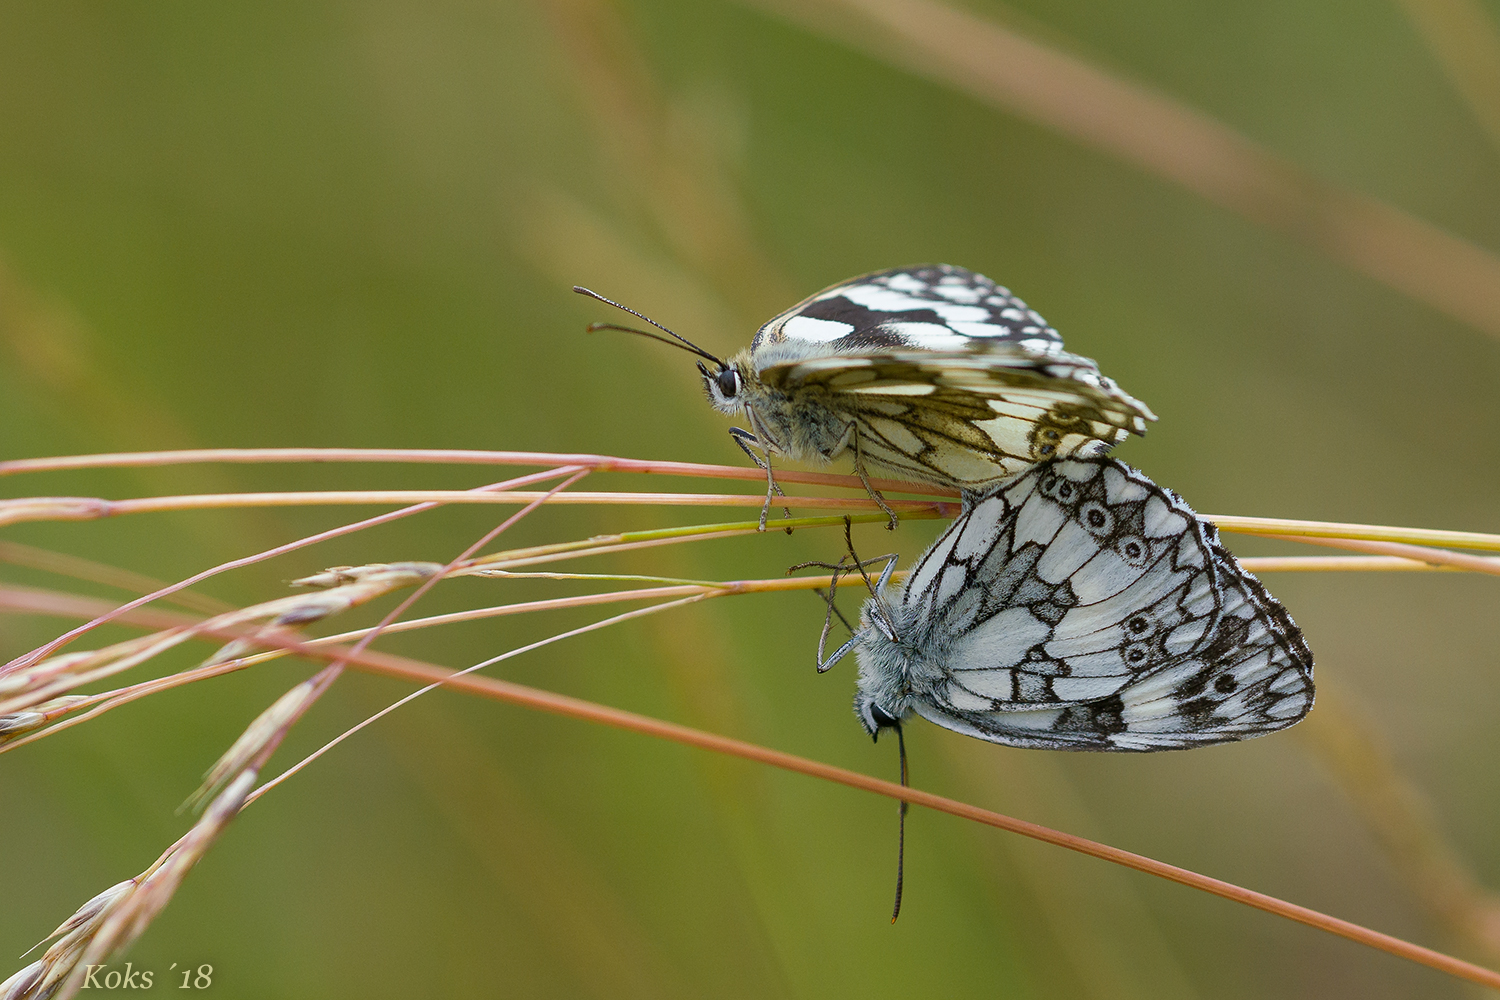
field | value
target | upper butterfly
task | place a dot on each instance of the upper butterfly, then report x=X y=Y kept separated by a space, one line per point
x=932 y=373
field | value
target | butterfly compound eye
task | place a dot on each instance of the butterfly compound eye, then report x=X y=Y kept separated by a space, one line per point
x=872 y=716
x=729 y=383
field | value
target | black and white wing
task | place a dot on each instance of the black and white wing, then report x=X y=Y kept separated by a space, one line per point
x=933 y=307
x=1253 y=677
x=947 y=375
x=1084 y=607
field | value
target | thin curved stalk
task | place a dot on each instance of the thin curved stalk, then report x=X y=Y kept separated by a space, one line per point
x=97 y=508
x=445 y=456
x=577 y=708
x=62 y=640
x=536 y=699
x=1299 y=531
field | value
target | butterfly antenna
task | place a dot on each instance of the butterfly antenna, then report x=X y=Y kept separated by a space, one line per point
x=595 y=327
x=677 y=339
x=900 y=826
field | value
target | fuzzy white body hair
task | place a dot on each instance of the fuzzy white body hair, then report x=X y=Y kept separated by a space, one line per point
x=892 y=671
x=801 y=426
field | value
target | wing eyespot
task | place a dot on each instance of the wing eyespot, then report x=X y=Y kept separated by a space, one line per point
x=1060 y=488
x=1135 y=550
x=1096 y=518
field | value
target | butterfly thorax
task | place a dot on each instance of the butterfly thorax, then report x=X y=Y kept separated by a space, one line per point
x=804 y=425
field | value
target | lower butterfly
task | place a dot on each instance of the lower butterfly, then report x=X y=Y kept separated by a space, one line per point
x=1081 y=607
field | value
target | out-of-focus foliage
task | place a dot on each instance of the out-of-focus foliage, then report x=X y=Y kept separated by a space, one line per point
x=357 y=224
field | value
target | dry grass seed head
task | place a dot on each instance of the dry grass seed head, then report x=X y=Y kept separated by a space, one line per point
x=148 y=893
x=264 y=732
x=42 y=978
x=134 y=904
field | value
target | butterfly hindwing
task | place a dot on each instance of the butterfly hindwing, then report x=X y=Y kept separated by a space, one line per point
x=1084 y=607
x=982 y=418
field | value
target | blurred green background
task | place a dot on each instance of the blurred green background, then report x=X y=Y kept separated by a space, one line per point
x=357 y=224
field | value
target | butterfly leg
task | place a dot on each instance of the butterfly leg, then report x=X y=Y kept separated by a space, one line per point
x=859 y=467
x=745 y=439
x=878 y=611
x=828 y=598
x=842 y=568
x=838 y=654
x=860 y=564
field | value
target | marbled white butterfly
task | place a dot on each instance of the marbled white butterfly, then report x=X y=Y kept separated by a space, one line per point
x=932 y=373
x=1081 y=607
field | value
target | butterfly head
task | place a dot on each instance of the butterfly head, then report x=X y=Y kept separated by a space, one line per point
x=873 y=716
x=883 y=697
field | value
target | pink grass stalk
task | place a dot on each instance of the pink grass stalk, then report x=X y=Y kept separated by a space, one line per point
x=1393 y=548
x=564 y=705
x=322 y=536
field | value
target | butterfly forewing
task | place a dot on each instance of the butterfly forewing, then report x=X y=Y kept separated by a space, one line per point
x=933 y=307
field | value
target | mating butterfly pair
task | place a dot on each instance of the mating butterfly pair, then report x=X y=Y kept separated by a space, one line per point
x=1074 y=604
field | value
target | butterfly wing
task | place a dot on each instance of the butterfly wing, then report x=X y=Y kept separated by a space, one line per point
x=931 y=306
x=969 y=417
x=1253 y=678
x=1256 y=678
x=946 y=375
x=1083 y=607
